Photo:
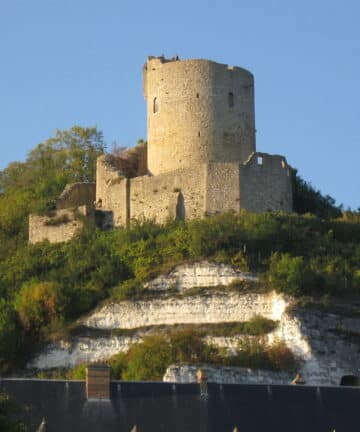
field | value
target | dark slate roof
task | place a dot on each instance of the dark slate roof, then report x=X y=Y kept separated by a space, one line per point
x=181 y=407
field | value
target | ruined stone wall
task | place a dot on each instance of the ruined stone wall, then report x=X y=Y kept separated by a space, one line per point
x=265 y=183
x=222 y=188
x=206 y=189
x=60 y=226
x=197 y=111
x=77 y=194
x=112 y=191
x=179 y=194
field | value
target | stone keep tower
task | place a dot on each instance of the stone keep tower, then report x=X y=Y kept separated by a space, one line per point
x=198 y=111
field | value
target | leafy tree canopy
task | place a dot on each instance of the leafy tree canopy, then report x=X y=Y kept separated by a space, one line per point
x=33 y=186
x=307 y=199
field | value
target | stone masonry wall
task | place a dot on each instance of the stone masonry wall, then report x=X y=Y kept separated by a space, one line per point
x=77 y=194
x=222 y=188
x=61 y=226
x=192 y=193
x=112 y=191
x=180 y=194
x=265 y=184
x=195 y=121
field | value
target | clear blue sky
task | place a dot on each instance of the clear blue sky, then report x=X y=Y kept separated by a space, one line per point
x=66 y=62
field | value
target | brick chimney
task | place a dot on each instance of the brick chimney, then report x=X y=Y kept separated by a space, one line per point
x=98 y=382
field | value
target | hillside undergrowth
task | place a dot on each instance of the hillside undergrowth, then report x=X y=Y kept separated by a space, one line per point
x=46 y=286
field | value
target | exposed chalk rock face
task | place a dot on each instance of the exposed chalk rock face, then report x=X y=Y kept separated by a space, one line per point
x=209 y=308
x=313 y=336
x=331 y=355
x=81 y=350
x=202 y=274
x=225 y=375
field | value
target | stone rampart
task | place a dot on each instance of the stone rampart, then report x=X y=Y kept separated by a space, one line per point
x=222 y=188
x=77 y=194
x=265 y=183
x=112 y=191
x=58 y=226
x=176 y=195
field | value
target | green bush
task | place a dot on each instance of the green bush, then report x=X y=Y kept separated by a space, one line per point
x=38 y=304
x=149 y=359
x=259 y=325
x=256 y=326
x=188 y=346
x=286 y=273
x=129 y=289
x=76 y=373
x=118 y=364
x=300 y=255
x=256 y=354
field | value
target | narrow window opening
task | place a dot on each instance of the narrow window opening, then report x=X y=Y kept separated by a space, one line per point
x=283 y=164
x=197 y=95
x=231 y=99
x=259 y=160
x=198 y=133
x=155 y=105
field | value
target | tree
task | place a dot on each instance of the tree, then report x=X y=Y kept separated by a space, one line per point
x=33 y=186
x=71 y=153
x=38 y=304
x=306 y=199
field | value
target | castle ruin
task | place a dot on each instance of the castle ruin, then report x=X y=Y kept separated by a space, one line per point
x=200 y=158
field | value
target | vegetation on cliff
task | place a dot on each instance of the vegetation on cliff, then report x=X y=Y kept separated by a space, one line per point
x=149 y=359
x=44 y=287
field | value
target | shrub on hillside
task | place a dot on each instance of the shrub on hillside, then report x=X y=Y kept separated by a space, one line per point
x=129 y=289
x=285 y=272
x=259 y=325
x=256 y=354
x=38 y=304
x=149 y=359
x=11 y=336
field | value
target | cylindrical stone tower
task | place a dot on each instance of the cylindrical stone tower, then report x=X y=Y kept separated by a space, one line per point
x=197 y=111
